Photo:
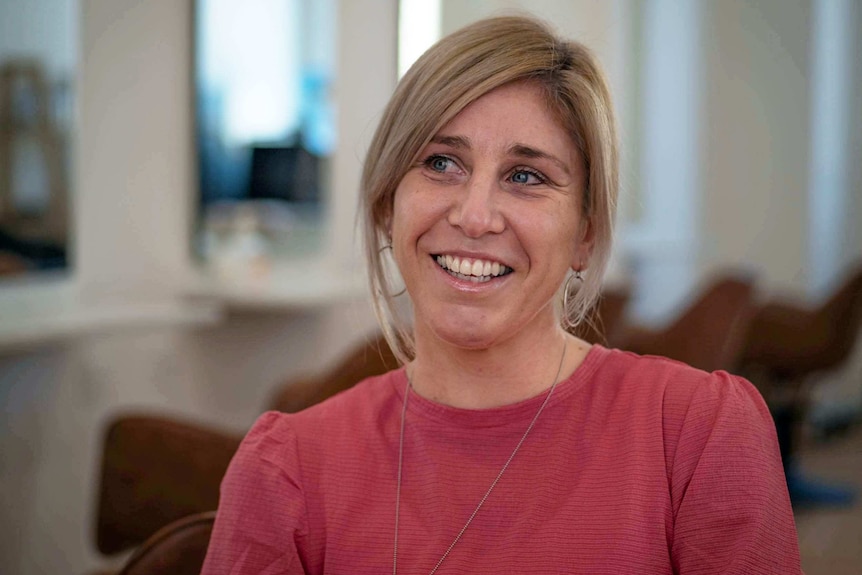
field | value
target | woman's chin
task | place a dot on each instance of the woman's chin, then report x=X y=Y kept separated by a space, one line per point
x=466 y=335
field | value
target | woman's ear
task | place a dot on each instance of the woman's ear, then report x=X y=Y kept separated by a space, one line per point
x=386 y=227
x=584 y=248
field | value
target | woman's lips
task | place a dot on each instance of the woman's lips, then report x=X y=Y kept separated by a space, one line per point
x=471 y=269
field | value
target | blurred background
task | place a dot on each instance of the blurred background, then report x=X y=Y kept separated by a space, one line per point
x=179 y=181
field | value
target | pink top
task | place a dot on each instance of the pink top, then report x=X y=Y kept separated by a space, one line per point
x=637 y=465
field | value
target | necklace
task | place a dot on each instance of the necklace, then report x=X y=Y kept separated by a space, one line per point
x=487 y=493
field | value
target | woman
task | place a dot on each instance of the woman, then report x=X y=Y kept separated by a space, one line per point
x=505 y=445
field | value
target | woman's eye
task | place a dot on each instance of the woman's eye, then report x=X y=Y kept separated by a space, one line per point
x=526 y=177
x=439 y=163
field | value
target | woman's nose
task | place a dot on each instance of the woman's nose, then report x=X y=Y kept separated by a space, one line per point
x=476 y=211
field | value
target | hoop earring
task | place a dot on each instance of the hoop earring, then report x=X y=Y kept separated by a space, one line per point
x=380 y=251
x=567 y=289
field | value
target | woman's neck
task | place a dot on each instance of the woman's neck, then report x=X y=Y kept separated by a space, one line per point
x=502 y=374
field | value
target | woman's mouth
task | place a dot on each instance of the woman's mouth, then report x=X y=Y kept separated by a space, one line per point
x=474 y=270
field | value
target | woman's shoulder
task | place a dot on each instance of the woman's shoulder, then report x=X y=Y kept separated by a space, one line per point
x=683 y=395
x=673 y=378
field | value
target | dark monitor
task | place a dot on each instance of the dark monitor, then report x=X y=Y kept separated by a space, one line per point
x=285 y=173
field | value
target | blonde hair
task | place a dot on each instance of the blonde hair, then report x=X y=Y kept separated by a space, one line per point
x=455 y=72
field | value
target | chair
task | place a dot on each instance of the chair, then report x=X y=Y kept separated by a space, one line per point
x=155 y=471
x=786 y=345
x=790 y=342
x=373 y=357
x=708 y=334
x=179 y=548
x=605 y=320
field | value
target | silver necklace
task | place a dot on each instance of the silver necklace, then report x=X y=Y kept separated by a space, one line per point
x=487 y=493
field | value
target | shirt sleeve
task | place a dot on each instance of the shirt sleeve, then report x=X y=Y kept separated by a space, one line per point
x=261 y=516
x=732 y=513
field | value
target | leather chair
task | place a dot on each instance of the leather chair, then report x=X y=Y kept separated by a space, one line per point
x=604 y=323
x=372 y=357
x=155 y=470
x=178 y=548
x=787 y=344
x=710 y=331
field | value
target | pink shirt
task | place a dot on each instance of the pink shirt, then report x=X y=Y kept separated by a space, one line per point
x=637 y=465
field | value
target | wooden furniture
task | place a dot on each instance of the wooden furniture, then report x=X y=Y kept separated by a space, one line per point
x=178 y=548
x=154 y=471
x=372 y=357
x=605 y=321
x=710 y=331
x=787 y=344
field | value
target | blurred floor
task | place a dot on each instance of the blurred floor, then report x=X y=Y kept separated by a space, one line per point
x=830 y=540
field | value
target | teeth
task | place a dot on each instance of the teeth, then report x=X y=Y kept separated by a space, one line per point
x=472 y=270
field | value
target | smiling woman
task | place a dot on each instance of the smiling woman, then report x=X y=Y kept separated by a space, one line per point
x=501 y=185
x=504 y=444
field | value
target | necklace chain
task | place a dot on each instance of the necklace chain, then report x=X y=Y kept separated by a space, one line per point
x=487 y=493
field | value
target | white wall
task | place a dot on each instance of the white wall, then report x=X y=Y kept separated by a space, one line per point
x=135 y=186
x=756 y=141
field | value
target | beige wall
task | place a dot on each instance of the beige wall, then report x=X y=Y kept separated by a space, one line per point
x=134 y=188
x=756 y=142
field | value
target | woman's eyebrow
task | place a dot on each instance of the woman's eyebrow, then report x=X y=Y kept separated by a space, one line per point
x=458 y=142
x=524 y=151
x=517 y=150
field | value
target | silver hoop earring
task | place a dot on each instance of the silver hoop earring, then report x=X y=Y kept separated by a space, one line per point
x=567 y=289
x=380 y=251
x=402 y=292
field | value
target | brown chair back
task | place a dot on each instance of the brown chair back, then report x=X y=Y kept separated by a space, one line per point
x=791 y=341
x=155 y=471
x=709 y=333
x=179 y=548
x=605 y=320
x=372 y=357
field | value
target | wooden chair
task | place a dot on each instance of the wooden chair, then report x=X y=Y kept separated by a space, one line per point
x=604 y=323
x=710 y=331
x=373 y=357
x=790 y=342
x=786 y=345
x=154 y=471
x=178 y=548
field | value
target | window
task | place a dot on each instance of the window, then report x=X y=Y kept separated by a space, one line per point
x=265 y=125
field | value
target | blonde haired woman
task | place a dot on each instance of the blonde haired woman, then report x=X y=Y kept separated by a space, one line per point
x=504 y=444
